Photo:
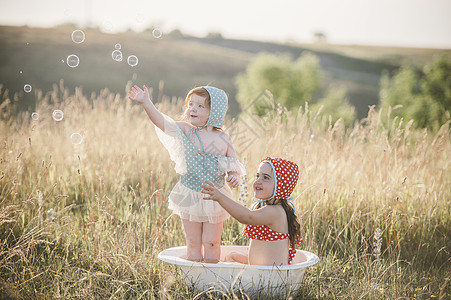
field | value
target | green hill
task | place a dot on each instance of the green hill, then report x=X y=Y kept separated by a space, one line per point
x=37 y=57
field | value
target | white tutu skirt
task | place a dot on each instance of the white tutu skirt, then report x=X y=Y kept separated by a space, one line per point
x=183 y=201
x=190 y=205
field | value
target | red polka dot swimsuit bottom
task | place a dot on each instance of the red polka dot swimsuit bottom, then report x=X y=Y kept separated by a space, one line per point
x=264 y=233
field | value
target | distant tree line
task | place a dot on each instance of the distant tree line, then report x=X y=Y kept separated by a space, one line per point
x=423 y=96
x=292 y=83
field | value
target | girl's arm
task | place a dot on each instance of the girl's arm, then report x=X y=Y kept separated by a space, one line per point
x=142 y=97
x=233 y=177
x=242 y=214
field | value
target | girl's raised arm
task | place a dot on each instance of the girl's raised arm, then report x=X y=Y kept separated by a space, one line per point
x=142 y=97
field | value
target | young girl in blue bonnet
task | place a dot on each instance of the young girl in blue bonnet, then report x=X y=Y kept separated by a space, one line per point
x=201 y=151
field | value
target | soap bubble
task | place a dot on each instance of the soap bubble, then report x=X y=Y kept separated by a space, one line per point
x=78 y=36
x=132 y=60
x=117 y=46
x=73 y=60
x=57 y=115
x=107 y=26
x=27 y=88
x=117 y=55
x=157 y=33
x=76 y=138
x=35 y=116
x=140 y=18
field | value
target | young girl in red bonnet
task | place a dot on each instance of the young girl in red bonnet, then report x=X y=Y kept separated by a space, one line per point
x=272 y=225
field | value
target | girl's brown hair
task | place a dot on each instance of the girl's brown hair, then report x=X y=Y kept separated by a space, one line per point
x=199 y=91
x=294 y=228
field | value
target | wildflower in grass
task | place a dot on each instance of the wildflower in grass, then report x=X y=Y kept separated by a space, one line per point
x=244 y=193
x=39 y=195
x=279 y=109
x=51 y=214
x=377 y=243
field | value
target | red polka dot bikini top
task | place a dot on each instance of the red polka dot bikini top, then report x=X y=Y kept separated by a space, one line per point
x=264 y=233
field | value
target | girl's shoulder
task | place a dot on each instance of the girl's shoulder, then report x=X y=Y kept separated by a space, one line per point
x=275 y=211
x=277 y=216
x=184 y=126
x=223 y=136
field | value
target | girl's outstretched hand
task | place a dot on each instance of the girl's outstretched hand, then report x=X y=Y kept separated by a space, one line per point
x=233 y=180
x=209 y=189
x=139 y=95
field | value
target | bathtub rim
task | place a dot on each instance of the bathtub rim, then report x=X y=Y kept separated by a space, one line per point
x=312 y=259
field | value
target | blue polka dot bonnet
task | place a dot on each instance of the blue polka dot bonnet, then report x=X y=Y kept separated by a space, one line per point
x=218 y=106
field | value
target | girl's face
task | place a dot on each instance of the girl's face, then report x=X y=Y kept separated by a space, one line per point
x=264 y=182
x=197 y=111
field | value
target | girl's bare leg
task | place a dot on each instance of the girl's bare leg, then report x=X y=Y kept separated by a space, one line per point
x=193 y=234
x=237 y=257
x=211 y=239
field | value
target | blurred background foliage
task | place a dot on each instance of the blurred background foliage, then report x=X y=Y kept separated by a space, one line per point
x=422 y=95
x=338 y=80
x=292 y=83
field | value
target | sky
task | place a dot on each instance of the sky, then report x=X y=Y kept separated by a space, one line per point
x=404 y=23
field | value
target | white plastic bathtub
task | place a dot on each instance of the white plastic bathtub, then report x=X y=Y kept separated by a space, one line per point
x=227 y=276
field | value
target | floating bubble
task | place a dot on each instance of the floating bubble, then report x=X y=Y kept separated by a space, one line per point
x=117 y=55
x=76 y=138
x=72 y=60
x=57 y=115
x=132 y=60
x=78 y=36
x=140 y=18
x=27 y=88
x=20 y=72
x=157 y=33
x=35 y=116
x=117 y=46
x=107 y=26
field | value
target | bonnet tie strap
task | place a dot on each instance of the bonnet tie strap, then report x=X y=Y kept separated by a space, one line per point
x=195 y=130
x=290 y=202
x=261 y=201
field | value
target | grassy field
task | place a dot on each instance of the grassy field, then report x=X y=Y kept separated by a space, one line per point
x=37 y=56
x=88 y=220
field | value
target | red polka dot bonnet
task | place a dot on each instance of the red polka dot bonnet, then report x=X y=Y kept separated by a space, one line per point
x=286 y=176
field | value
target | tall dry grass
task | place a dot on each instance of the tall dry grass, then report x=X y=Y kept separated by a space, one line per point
x=88 y=220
